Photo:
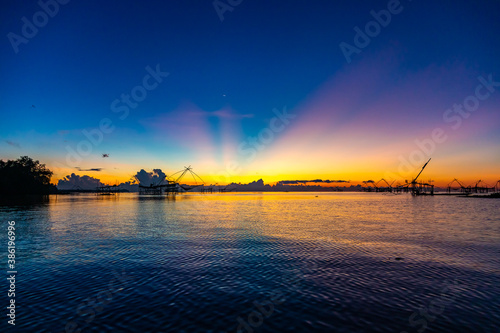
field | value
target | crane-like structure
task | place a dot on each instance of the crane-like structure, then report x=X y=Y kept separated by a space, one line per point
x=415 y=179
x=420 y=188
x=184 y=172
x=462 y=187
x=415 y=187
x=482 y=187
x=383 y=189
x=170 y=185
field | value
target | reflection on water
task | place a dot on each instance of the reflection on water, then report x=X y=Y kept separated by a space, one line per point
x=199 y=263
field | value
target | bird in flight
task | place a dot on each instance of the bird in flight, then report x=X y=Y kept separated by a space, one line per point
x=105 y=155
x=32 y=106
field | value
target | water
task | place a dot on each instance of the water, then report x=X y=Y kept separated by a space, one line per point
x=287 y=262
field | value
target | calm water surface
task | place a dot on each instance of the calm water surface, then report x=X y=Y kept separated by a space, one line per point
x=253 y=262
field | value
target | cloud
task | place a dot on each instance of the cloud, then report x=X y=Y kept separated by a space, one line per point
x=294 y=182
x=13 y=144
x=148 y=178
x=73 y=181
x=93 y=169
x=129 y=186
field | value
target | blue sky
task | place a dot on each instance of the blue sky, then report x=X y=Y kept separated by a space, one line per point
x=263 y=55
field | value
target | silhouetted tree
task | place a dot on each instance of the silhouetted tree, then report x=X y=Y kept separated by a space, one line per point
x=24 y=176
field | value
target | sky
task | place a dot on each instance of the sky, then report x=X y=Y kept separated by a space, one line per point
x=243 y=90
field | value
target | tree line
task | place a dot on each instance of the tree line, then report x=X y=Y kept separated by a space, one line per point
x=25 y=176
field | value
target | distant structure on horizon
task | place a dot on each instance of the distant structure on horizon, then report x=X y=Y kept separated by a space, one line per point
x=157 y=183
x=166 y=186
